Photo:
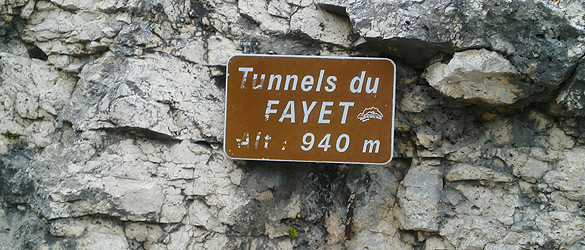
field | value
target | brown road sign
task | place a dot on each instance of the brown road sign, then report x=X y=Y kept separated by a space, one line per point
x=317 y=109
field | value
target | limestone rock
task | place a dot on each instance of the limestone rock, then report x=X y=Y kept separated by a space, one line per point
x=321 y=26
x=103 y=234
x=143 y=232
x=416 y=30
x=436 y=243
x=568 y=174
x=461 y=172
x=542 y=122
x=107 y=5
x=482 y=216
x=428 y=137
x=193 y=51
x=526 y=167
x=199 y=215
x=276 y=231
x=558 y=140
x=155 y=93
x=39 y=90
x=561 y=227
x=572 y=96
x=136 y=37
x=128 y=184
x=220 y=49
x=10 y=9
x=65 y=227
x=477 y=75
x=19 y=228
x=382 y=231
x=335 y=6
x=51 y=22
x=417 y=99
x=32 y=93
x=270 y=15
x=419 y=198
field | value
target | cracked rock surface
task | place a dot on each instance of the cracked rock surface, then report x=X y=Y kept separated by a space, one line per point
x=111 y=123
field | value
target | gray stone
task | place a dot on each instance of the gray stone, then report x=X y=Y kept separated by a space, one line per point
x=568 y=174
x=375 y=213
x=193 y=51
x=103 y=234
x=541 y=120
x=270 y=15
x=482 y=216
x=27 y=10
x=65 y=227
x=220 y=49
x=417 y=99
x=8 y=9
x=437 y=243
x=32 y=93
x=478 y=75
x=335 y=6
x=135 y=37
x=313 y=22
x=20 y=228
x=531 y=169
x=558 y=140
x=280 y=9
x=156 y=93
x=428 y=137
x=419 y=198
x=466 y=172
x=416 y=30
x=561 y=227
x=572 y=96
x=143 y=232
x=199 y=215
x=50 y=23
x=276 y=230
x=493 y=246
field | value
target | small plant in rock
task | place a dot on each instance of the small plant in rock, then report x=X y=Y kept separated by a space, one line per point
x=11 y=136
x=292 y=232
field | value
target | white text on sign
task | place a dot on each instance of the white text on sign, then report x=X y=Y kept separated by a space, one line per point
x=307 y=82
x=289 y=114
x=310 y=108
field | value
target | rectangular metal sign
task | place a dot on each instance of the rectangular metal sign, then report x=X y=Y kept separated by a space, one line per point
x=313 y=109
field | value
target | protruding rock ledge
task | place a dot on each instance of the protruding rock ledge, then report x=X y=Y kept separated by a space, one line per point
x=478 y=76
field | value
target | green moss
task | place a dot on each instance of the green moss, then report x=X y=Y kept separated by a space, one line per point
x=10 y=136
x=292 y=232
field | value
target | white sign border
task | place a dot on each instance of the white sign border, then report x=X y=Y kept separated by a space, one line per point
x=319 y=57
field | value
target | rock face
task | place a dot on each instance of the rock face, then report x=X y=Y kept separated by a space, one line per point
x=419 y=198
x=572 y=96
x=32 y=95
x=154 y=93
x=542 y=39
x=477 y=75
x=111 y=127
